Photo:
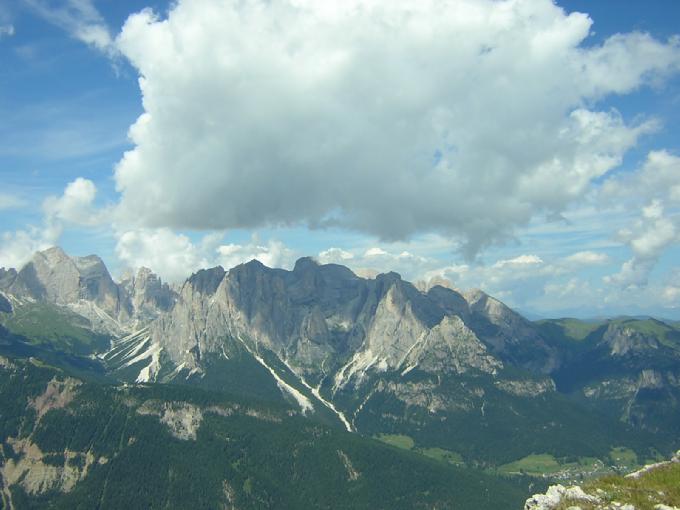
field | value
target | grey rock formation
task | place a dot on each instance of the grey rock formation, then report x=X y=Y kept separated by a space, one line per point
x=53 y=276
x=609 y=498
x=84 y=285
x=323 y=321
x=344 y=338
x=556 y=495
x=509 y=335
x=147 y=295
x=622 y=340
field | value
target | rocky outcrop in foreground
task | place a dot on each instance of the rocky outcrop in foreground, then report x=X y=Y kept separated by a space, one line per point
x=654 y=487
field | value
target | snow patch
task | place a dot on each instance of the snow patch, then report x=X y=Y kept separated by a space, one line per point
x=317 y=394
x=304 y=403
x=357 y=365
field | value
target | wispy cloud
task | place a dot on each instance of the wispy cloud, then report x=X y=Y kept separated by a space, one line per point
x=80 y=18
x=6 y=31
x=8 y=201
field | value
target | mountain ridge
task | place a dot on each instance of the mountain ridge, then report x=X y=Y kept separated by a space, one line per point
x=373 y=355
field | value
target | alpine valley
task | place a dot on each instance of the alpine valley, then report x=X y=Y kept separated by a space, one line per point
x=256 y=387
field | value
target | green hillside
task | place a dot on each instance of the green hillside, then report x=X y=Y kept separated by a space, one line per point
x=72 y=444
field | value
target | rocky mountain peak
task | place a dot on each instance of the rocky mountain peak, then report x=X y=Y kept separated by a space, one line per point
x=85 y=285
x=206 y=281
x=90 y=265
x=449 y=300
x=305 y=264
x=95 y=282
x=51 y=275
x=147 y=295
x=390 y=277
x=52 y=256
x=252 y=265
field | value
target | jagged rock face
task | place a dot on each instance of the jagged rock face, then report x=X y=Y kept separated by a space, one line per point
x=95 y=282
x=196 y=325
x=50 y=275
x=148 y=295
x=324 y=320
x=299 y=314
x=398 y=340
x=450 y=301
x=509 y=335
x=206 y=281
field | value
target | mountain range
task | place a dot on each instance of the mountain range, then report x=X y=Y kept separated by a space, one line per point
x=456 y=376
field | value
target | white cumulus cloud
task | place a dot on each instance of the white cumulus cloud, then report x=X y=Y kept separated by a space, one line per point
x=272 y=253
x=17 y=248
x=394 y=118
x=335 y=256
x=173 y=256
x=74 y=207
x=654 y=191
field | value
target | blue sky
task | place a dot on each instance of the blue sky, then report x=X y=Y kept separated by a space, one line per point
x=326 y=147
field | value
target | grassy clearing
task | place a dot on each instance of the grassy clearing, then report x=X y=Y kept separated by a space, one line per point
x=443 y=455
x=589 y=462
x=569 y=329
x=398 y=440
x=532 y=465
x=578 y=330
x=547 y=466
x=407 y=443
x=624 y=457
x=54 y=327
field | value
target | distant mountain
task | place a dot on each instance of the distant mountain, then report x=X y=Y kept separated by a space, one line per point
x=626 y=365
x=454 y=375
x=84 y=285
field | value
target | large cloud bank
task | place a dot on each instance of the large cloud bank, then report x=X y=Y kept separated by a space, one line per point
x=394 y=118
